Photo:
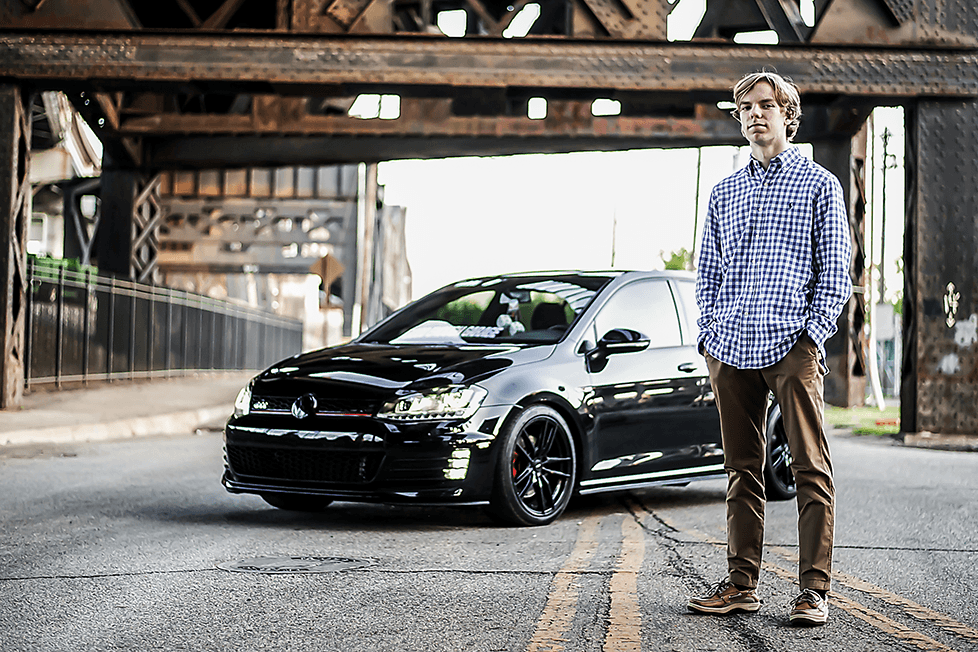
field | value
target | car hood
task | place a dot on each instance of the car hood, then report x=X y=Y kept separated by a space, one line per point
x=375 y=370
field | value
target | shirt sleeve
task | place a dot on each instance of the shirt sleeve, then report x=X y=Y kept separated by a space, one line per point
x=832 y=244
x=709 y=270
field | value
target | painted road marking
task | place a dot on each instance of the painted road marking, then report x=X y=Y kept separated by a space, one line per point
x=856 y=609
x=876 y=619
x=624 y=633
x=558 y=614
x=910 y=607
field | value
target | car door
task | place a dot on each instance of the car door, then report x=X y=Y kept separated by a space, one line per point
x=650 y=407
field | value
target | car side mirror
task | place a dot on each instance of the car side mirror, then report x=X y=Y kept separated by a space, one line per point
x=622 y=340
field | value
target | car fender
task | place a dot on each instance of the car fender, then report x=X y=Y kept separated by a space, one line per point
x=559 y=388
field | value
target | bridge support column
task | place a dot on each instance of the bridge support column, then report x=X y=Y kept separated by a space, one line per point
x=78 y=241
x=845 y=386
x=15 y=215
x=129 y=225
x=939 y=385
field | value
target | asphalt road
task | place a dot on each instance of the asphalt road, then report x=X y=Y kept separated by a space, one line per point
x=117 y=546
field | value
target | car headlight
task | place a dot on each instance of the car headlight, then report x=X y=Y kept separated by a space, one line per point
x=242 y=404
x=453 y=402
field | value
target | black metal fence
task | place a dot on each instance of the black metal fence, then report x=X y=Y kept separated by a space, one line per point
x=88 y=327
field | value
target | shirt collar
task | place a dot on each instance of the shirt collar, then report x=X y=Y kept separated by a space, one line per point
x=785 y=159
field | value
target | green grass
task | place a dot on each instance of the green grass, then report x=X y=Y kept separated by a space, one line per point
x=863 y=420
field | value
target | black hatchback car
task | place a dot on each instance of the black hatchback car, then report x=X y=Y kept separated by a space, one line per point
x=515 y=392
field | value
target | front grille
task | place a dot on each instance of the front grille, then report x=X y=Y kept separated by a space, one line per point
x=347 y=467
x=325 y=406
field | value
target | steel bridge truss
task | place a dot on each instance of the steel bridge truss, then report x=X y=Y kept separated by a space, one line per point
x=222 y=84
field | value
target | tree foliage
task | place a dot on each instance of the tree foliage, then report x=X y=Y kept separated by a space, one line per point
x=681 y=259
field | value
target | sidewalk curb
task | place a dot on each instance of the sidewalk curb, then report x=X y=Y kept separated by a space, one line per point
x=177 y=423
x=936 y=441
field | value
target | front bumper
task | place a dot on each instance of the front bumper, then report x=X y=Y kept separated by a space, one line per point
x=364 y=459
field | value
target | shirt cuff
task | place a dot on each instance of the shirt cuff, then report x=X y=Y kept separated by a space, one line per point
x=701 y=342
x=819 y=333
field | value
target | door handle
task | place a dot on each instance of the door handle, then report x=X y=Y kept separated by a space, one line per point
x=687 y=367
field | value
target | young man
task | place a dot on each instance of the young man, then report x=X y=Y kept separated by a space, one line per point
x=773 y=278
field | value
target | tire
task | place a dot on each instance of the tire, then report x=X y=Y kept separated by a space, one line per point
x=536 y=468
x=779 y=481
x=296 y=502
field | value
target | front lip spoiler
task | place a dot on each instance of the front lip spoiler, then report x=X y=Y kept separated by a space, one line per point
x=392 y=498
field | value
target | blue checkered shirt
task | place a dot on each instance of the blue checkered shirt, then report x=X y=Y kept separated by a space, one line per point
x=774 y=261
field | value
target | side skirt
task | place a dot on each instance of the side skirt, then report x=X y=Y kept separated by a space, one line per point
x=656 y=479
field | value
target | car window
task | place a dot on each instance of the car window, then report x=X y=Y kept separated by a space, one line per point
x=466 y=310
x=643 y=306
x=524 y=309
x=686 y=294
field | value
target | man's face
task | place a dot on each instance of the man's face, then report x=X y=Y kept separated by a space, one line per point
x=762 y=119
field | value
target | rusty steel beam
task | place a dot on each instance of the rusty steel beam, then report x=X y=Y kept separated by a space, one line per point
x=199 y=152
x=559 y=123
x=125 y=59
x=377 y=140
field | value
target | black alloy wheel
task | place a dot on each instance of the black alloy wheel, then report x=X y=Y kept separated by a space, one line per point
x=779 y=481
x=536 y=468
x=297 y=502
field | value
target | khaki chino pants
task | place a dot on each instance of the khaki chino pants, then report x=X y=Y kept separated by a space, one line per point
x=742 y=397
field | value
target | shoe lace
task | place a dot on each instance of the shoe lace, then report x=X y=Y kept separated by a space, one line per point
x=720 y=586
x=809 y=596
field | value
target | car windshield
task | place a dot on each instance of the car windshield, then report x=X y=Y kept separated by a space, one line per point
x=510 y=309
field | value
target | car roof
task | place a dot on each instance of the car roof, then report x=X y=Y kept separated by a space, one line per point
x=611 y=274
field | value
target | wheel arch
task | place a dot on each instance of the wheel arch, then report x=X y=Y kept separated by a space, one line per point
x=511 y=505
x=564 y=409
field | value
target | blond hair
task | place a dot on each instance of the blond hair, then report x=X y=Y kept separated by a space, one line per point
x=785 y=94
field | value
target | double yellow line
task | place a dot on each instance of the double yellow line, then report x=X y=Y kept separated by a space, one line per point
x=879 y=620
x=623 y=633
x=558 y=614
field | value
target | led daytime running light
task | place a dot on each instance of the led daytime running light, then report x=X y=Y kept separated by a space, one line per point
x=454 y=402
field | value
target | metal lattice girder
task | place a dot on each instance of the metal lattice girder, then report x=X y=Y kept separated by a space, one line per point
x=282 y=236
x=124 y=60
x=939 y=388
x=345 y=12
x=147 y=216
x=15 y=213
x=785 y=19
x=631 y=19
